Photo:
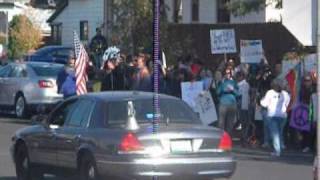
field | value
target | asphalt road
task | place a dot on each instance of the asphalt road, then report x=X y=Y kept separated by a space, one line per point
x=252 y=164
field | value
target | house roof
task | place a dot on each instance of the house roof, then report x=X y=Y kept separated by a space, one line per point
x=59 y=10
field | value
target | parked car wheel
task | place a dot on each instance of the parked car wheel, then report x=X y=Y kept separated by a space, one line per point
x=20 y=106
x=88 y=168
x=24 y=169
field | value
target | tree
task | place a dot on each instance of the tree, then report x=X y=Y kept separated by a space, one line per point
x=243 y=7
x=23 y=36
x=132 y=28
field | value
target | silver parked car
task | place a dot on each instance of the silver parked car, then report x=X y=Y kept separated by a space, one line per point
x=110 y=134
x=26 y=85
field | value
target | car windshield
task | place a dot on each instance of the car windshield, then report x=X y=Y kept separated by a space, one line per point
x=46 y=70
x=171 y=111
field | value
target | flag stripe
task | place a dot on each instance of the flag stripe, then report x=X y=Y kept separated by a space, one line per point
x=80 y=66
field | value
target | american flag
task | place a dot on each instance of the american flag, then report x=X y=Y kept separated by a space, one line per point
x=81 y=63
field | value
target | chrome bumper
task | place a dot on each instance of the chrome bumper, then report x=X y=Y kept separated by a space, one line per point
x=169 y=168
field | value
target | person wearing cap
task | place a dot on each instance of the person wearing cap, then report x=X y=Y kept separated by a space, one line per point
x=66 y=80
x=97 y=46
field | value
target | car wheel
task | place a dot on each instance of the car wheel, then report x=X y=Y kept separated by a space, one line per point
x=24 y=169
x=88 y=169
x=20 y=107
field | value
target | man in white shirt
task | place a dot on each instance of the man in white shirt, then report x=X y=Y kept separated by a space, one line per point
x=276 y=101
x=244 y=88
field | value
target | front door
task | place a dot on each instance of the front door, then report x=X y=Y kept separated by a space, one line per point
x=47 y=141
x=73 y=133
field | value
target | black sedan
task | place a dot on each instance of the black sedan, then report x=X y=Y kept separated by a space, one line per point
x=51 y=54
x=111 y=134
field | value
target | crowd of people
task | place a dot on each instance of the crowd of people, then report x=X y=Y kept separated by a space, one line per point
x=237 y=91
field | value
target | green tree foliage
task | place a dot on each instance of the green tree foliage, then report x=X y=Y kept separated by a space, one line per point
x=23 y=36
x=243 y=7
x=133 y=27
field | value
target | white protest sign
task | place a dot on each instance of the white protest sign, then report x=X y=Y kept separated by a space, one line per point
x=310 y=63
x=191 y=90
x=251 y=51
x=288 y=65
x=223 y=41
x=206 y=108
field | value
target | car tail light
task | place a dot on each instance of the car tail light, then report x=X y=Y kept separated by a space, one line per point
x=225 y=142
x=130 y=143
x=45 y=84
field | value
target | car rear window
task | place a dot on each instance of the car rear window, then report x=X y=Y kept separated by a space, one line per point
x=172 y=111
x=46 y=70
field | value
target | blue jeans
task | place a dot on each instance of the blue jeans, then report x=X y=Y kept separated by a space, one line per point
x=276 y=127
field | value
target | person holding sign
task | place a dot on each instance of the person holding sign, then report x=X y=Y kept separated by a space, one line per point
x=227 y=92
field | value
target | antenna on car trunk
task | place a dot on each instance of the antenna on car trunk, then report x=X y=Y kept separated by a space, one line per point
x=132 y=123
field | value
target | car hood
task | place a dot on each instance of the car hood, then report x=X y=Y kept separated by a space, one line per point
x=28 y=130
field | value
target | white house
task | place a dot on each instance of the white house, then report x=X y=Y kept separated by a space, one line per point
x=11 y=8
x=197 y=11
x=298 y=16
x=84 y=16
x=81 y=16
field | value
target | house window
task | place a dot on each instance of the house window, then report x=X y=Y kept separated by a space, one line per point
x=223 y=12
x=177 y=11
x=57 y=33
x=195 y=10
x=84 y=30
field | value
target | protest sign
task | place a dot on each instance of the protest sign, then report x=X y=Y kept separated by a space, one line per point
x=223 y=41
x=251 y=51
x=190 y=90
x=300 y=118
x=310 y=63
x=206 y=108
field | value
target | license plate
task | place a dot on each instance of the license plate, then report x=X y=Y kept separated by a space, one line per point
x=181 y=146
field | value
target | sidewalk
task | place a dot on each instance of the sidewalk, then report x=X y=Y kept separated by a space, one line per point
x=261 y=154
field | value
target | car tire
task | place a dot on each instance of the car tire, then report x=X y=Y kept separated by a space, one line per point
x=24 y=169
x=88 y=168
x=20 y=107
